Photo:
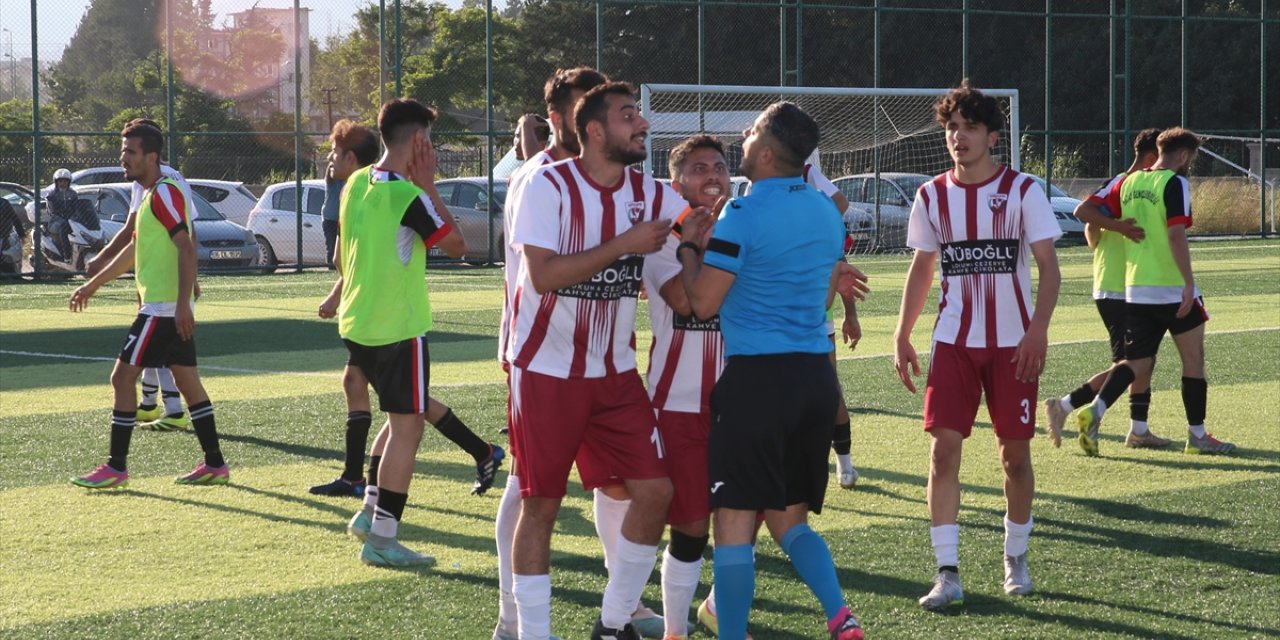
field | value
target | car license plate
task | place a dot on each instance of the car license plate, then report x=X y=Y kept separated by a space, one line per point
x=223 y=255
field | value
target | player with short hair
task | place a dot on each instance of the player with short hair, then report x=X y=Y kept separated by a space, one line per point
x=978 y=222
x=1161 y=291
x=582 y=227
x=772 y=406
x=1109 y=236
x=164 y=260
x=356 y=147
x=156 y=381
x=391 y=214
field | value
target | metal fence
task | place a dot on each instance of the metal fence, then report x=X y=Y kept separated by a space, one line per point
x=247 y=95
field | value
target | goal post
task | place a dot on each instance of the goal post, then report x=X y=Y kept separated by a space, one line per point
x=866 y=132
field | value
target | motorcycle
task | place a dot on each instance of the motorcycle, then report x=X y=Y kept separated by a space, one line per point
x=10 y=239
x=85 y=240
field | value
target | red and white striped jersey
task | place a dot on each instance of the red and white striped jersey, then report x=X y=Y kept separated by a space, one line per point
x=511 y=259
x=586 y=330
x=687 y=354
x=982 y=234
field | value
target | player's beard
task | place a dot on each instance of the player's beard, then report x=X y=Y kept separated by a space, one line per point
x=569 y=142
x=621 y=153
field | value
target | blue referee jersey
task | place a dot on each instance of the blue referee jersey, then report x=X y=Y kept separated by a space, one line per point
x=781 y=242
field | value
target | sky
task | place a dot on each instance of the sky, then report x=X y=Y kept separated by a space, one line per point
x=58 y=20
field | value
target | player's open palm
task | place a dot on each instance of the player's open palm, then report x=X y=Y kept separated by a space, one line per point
x=422 y=166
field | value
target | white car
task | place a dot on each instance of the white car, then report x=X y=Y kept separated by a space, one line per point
x=1064 y=207
x=274 y=221
x=232 y=199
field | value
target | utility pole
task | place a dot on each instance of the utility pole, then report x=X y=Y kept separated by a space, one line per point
x=13 y=69
x=328 y=102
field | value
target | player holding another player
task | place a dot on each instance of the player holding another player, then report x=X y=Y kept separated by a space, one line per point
x=773 y=405
x=571 y=349
x=978 y=222
x=391 y=213
x=164 y=261
x=1109 y=237
x=1161 y=291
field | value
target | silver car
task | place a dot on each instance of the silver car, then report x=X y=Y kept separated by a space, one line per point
x=219 y=242
x=887 y=223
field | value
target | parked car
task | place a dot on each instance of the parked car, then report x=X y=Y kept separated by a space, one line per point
x=94 y=175
x=274 y=223
x=1064 y=207
x=219 y=242
x=472 y=208
x=897 y=191
x=232 y=199
x=22 y=199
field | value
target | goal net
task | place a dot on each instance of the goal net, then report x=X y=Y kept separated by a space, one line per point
x=877 y=144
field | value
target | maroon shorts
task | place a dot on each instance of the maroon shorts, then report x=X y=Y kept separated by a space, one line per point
x=607 y=421
x=958 y=378
x=685 y=437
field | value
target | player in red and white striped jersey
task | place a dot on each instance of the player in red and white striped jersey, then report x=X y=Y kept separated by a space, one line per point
x=685 y=361
x=978 y=223
x=582 y=227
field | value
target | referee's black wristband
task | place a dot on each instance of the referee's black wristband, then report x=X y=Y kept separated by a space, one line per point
x=687 y=245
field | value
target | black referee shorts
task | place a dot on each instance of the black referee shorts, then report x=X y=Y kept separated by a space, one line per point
x=772 y=418
x=1114 y=317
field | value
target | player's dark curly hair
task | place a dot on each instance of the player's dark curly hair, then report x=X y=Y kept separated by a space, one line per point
x=973 y=106
x=795 y=132
x=561 y=85
x=675 y=161
x=592 y=106
x=1145 y=141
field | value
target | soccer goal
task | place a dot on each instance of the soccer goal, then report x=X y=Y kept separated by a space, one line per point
x=877 y=144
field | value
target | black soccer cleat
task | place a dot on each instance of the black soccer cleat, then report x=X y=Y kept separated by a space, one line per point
x=487 y=470
x=627 y=632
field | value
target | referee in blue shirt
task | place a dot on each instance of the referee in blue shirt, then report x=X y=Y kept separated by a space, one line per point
x=771 y=257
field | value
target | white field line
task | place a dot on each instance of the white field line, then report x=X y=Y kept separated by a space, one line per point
x=335 y=375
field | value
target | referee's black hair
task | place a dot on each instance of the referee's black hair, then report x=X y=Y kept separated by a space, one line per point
x=399 y=117
x=795 y=131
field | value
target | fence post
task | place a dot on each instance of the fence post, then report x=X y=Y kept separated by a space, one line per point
x=1111 y=89
x=168 y=90
x=488 y=118
x=397 y=67
x=297 y=127
x=1048 y=96
x=600 y=36
x=1262 y=122
x=37 y=233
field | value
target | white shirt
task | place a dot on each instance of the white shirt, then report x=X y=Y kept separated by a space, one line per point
x=586 y=330
x=982 y=234
x=814 y=177
x=166 y=171
x=687 y=355
x=511 y=261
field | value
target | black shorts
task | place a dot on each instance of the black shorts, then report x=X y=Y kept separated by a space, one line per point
x=153 y=342
x=771 y=428
x=400 y=373
x=1147 y=324
x=1115 y=318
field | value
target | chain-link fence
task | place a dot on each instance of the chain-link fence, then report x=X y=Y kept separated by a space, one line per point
x=247 y=90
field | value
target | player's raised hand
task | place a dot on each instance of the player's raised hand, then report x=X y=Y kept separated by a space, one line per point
x=422 y=165
x=1028 y=357
x=1129 y=228
x=645 y=237
x=80 y=297
x=851 y=281
x=906 y=363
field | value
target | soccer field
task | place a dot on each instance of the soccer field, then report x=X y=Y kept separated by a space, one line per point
x=1135 y=543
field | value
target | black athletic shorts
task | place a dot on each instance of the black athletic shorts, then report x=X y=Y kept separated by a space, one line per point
x=153 y=342
x=1147 y=324
x=399 y=373
x=1115 y=318
x=772 y=418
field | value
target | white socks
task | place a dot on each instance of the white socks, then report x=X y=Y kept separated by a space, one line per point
x=384 y=524
x=370 y=497
x=679 y=581
x=629 y=571
x=1196 y=430
x=1015 y=536
x=1065 y=403
x=169 y=392
x=1138 y=427
x=609 y=515
x=533 y=598
x=505 y=530
x=946 y=544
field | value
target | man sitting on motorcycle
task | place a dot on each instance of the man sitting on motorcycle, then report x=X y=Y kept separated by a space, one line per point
x=59 y=207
